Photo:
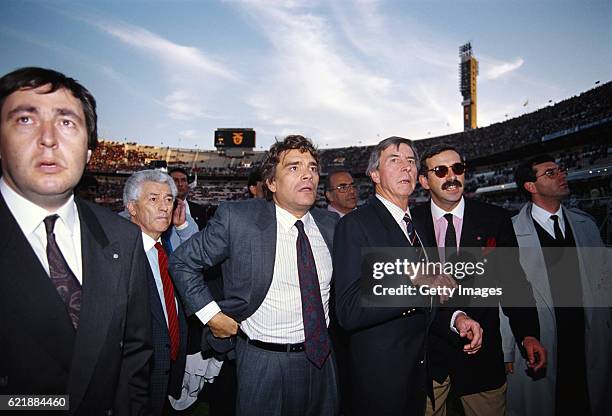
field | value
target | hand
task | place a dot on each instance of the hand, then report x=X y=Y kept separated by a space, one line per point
x=222 y=326
x=179 y=214
x=536 y=353
x=509 y=368
x=470 y=329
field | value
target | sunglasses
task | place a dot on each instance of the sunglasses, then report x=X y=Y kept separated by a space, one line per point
x=553 y=172
x=441 y=171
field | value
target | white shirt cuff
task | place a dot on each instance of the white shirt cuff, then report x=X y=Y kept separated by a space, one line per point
x=207 y=312
x=452 y=322
x=182 y=226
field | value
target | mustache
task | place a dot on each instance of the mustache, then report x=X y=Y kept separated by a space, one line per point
x=448 y=184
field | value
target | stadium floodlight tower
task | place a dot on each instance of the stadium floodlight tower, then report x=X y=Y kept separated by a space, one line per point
x=468 y=71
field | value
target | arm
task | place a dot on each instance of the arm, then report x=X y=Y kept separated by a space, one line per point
x=137 y=348
x=204 y=250
x=181 y=233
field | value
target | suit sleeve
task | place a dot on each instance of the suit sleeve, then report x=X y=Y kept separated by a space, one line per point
x=523 y=319
x=349 y=238
x=137 y=346
x=205 y=249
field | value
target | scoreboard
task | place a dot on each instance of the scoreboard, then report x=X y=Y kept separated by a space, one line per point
x=225 y=138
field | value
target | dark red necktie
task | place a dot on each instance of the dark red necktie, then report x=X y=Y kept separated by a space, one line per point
x=173 y=324
x=316 y=342
x=66 y=283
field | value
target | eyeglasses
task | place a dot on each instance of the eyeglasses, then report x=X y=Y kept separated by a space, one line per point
x=345 y=187
x=553 y=172
x=441 y=171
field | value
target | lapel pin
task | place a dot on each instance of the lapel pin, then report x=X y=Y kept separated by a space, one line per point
x=115 y=255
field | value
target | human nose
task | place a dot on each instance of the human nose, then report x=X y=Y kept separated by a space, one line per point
x=47 y=137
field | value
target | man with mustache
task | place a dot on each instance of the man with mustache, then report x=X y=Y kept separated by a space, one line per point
x=387 y=343
x=74 y=305
x=569 y=267
x=149 y=197
x=455 y=223
x=276 y=262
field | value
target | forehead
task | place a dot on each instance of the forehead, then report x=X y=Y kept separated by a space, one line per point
x=296 y=155
x=178 y=175
x=340 y=177
x=41 y=98
x=403 y=150
x=447 y=157
x=542 y=167
x=150 y=187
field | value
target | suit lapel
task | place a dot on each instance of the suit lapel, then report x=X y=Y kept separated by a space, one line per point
x=101 y=270
x=264 y=248
x=36 y=302
x=471 y=233
x=395 y=235
x=326 y=226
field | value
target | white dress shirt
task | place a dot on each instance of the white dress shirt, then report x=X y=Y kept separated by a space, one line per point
x=542 y=217
x=67 y=229
x=279 y=317
x=149 y=247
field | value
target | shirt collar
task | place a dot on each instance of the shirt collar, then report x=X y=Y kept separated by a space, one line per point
x=396 y=212
x=29 y=215
x=147 y=242
x=438 y=212
x=287 y=220
x=542 y=216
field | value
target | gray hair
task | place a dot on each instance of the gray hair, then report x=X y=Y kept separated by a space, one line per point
x=374 y=161
x=133 y=186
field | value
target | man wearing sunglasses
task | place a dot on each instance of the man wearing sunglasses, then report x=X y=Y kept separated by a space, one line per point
x=565 y=261
x=341 y=192
x=457 y=225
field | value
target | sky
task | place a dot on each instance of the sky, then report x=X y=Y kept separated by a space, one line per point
x=340 y=72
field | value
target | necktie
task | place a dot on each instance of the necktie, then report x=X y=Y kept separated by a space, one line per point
x=66 y=283
x=410 y=228
x=558 y=233
x=450 y=240
x=316 y=337
x=173 y=324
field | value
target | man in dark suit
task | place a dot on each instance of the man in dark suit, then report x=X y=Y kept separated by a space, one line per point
x=197 y=211
x=388 y=359
x=74 y=305
x=149 y=198
x=276 y=261
x=452 y=221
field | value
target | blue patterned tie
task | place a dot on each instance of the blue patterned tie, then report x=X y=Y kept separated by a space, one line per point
x=316 y=342
x=410 y=228
x=67 y=285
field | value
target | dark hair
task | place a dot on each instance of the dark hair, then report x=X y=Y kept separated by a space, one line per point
x=436 y=150
x=32 y=77
x=327 y=183
x=292 y=142
x=254 y=177
x=525 y=172
x=180 y=170
x=374 y=161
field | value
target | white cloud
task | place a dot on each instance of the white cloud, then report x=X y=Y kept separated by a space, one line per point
x=491 y=70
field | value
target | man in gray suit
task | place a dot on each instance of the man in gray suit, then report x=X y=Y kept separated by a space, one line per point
x=276 y=263
x=565 y=261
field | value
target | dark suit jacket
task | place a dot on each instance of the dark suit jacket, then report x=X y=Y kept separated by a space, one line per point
x=103 y=366
x=484 y=371
x=166 y=376
x=199 y=213
x=386 y=344
x=242 y=236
